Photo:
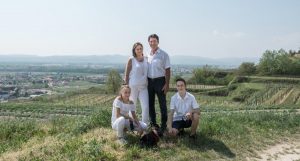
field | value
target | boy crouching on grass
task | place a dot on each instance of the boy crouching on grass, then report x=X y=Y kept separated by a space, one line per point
x=121 y=119
x=185 y=111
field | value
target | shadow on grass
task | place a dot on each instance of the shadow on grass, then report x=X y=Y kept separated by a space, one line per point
x=204 y=143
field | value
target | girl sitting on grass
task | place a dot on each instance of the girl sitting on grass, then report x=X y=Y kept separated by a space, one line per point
x=121 y=119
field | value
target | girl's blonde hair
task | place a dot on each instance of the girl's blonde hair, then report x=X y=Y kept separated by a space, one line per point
x=123 y=87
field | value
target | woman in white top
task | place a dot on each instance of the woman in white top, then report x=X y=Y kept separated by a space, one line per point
x=120 y=119
x=136 y=77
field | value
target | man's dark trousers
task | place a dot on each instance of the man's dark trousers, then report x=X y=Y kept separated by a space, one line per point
x=155 y=86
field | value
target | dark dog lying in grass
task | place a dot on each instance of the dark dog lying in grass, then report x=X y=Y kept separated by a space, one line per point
x=151 y=137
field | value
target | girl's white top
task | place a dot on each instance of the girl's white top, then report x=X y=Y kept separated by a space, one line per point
x=124 y=108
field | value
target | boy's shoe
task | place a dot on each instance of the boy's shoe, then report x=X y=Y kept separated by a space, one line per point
x=181 y=132
x=122 y=141
x=193 y=137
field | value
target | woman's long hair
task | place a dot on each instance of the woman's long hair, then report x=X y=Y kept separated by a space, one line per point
x=134 y=47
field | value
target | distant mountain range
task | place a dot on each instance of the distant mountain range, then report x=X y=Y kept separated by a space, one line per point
x=121 y=59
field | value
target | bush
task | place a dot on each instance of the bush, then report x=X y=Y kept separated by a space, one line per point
x=246 y=68
x=211 y=76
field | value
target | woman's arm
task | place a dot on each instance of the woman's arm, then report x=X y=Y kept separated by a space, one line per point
x=127 y=71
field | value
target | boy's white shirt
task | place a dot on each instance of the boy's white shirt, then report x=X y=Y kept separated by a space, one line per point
x=181 y=106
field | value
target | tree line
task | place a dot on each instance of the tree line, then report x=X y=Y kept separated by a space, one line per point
x=272 y=63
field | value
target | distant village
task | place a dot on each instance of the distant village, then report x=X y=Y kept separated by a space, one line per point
x=27 y=85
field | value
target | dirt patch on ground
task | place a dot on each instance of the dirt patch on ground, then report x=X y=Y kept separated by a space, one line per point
x=287 y=150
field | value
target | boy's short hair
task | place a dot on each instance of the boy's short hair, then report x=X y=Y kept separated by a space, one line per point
x=182 y=80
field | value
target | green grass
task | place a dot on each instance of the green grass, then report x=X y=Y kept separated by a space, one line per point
x=220 y=136
x=228 y=130
x=14 y=133
x=225 y=135
x=229 y=135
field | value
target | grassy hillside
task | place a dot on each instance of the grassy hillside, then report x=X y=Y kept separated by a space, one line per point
x=237 y=122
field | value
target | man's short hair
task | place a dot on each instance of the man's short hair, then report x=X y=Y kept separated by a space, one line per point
x=153 y=36
x=182 y=80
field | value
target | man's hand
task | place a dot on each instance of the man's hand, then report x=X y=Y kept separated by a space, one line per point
x=188 y=116
x=166 y=88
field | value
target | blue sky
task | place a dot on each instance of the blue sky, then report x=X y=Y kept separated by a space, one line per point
x=215 y=29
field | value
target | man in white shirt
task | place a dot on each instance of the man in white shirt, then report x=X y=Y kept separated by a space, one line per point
x=185 y=111
x=158 y=81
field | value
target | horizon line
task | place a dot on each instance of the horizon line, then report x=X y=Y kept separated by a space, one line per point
x=87 y=55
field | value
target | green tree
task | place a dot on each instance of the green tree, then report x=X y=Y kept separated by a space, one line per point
x=283 y=64
x=246 y=68
x=277 y=63
x=295 y=67
x=113 y=81
x=266 y=64
x=198 y=76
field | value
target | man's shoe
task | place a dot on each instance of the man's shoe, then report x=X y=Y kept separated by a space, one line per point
x=160 y=132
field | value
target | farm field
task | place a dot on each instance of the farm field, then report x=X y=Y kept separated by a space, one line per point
x=238 y=122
